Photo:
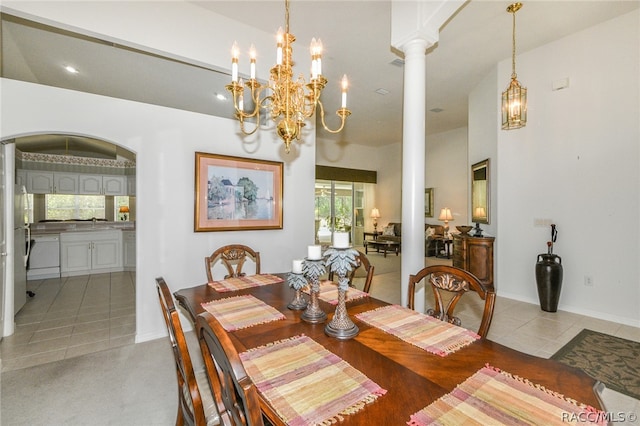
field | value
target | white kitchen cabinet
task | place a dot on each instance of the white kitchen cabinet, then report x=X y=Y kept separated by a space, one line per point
x=102 y=185
x=39 y=182
x=65 y=183
x=90 y=252
x=21 y=177
x=129 y=250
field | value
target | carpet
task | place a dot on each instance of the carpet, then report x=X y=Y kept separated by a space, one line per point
x=612 y=360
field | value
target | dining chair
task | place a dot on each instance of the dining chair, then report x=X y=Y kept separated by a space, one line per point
x=362 y=262
x=449 y=284
x=233 y=257
x=235 y=394
x=195 y=402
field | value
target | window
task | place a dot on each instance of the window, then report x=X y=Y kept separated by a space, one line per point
x=65 y=207
x=121 y=207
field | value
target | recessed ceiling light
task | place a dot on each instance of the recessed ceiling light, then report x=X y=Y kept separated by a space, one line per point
x=71 y=69
x=382 y=91
x=220 y=97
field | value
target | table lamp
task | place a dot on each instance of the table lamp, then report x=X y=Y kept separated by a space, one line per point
x=375 y=214
x=445 y=216
x=479 y=213
x=124 y=210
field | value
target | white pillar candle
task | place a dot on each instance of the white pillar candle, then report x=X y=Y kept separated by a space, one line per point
x=314 y=252
x=297 y=266
x=341 y=239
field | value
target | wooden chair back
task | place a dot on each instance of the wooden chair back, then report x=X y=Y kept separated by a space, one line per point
x=233 y=257
x=190 y=406
x=235 y=394
x=449 y=284
x=363 y=263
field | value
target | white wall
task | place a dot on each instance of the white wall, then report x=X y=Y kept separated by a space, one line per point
x=447 y=172
x=165 y=142
x=577 y=163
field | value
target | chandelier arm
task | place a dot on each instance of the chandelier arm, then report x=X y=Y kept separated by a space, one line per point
x=343 y=113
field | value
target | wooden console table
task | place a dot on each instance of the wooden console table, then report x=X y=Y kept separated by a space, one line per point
x=475 y=255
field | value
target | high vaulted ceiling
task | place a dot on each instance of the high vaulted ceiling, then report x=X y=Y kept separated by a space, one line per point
x=356 y=37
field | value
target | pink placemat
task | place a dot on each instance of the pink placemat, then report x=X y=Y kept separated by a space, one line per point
x=329 y=292
x=248 y=281
x=306 y=384
x=494 y=397
x=423 y=331
x=239 y=312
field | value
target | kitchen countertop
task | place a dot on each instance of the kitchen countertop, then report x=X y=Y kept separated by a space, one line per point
x=48 y=228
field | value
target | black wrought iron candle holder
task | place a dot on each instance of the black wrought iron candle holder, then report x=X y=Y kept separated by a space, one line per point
x=297 y=282
x=312 y=270
x=341 y=261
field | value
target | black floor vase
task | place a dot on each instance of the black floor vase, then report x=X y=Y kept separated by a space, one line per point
x=549 y=280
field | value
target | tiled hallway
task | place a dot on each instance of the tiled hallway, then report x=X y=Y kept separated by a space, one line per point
x=72 y=316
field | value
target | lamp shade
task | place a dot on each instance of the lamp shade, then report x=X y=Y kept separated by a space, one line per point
x=375 y=213
x=480 y=212
x=445 y=214
x=124 y=209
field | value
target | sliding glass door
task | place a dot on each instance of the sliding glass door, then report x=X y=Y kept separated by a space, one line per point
x=338 y=207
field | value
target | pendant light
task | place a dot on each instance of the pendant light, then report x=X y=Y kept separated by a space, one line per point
x=514 y=99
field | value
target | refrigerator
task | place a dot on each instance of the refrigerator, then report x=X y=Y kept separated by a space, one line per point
x=21 y=247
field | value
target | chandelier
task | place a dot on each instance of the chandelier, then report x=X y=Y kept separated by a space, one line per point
x=289 y=102
x=514 y=99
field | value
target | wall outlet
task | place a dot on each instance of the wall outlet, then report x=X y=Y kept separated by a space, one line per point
x=588 y=281
x=542 y=223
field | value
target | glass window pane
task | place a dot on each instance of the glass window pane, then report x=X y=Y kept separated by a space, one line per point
x=65 y=207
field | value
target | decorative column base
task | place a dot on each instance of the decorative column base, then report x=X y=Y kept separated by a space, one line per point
x=341 y=326
x=313 y=314
x=298 y=303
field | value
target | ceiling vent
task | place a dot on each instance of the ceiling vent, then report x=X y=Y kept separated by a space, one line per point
x=397 y=62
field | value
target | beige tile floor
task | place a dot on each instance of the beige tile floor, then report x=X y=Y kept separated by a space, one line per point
x=72 y=316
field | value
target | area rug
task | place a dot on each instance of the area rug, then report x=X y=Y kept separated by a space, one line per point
x=612 y=360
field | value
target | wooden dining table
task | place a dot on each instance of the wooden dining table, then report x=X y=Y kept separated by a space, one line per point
x=413 y=377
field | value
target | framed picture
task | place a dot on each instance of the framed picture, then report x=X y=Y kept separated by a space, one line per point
x=428 y=202
x=237 y=194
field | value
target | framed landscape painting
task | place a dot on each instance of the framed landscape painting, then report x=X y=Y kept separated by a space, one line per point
x=428 y=202
x=235 y=194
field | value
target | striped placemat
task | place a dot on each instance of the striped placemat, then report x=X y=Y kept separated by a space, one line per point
x=239 y=312
x=248 y=281
x=329 y=292
x=306 y=384
x=423 y=331
x=494 y=397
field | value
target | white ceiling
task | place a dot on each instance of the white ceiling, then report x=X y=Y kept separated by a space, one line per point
x=356 y=37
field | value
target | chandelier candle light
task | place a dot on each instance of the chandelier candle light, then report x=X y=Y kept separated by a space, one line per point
x=341 y=259
x=514 y=99
x=290 y=101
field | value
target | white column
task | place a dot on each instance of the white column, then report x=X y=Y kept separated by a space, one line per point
x=415 y=26
x=413 y=166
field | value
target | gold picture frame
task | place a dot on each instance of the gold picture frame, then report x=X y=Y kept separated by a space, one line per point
x=428 y=202
x=237 y=194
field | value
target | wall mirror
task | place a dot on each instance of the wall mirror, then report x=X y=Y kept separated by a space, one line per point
x=480 y=192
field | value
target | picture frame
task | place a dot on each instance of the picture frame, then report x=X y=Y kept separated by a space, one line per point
x=428 y=202
x=237 y=194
